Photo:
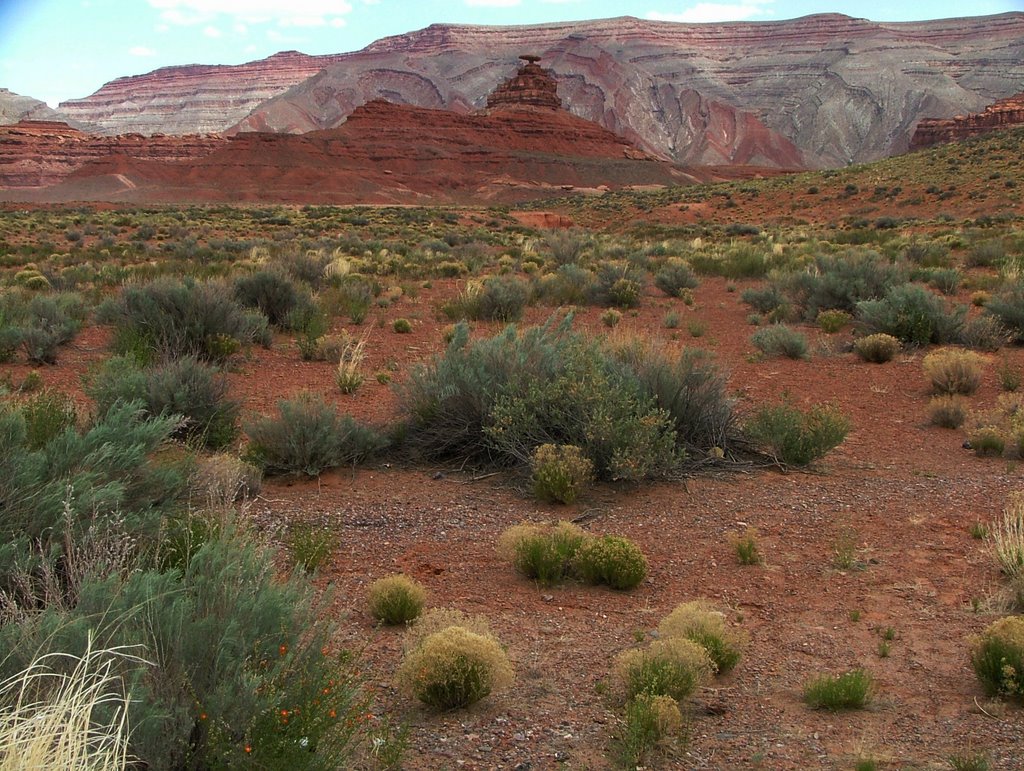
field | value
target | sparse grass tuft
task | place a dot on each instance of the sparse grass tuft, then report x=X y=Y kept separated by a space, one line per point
x=851 y=690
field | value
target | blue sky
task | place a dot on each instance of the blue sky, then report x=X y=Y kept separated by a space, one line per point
x=62 y=49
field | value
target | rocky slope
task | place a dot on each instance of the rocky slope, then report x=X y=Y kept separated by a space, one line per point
x=15 y=107
x=1002 y=114
x=523 y=146
x=41 y=153
x=194 y=99
x=825 y=90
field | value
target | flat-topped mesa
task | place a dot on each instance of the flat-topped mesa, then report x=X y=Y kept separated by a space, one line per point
x=1001 y=114
x=532 y=88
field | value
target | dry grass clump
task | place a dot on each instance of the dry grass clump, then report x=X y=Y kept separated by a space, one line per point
x=673 y=667
x=349 y=374
x=612 y=561
x=850 y=690
x=699 y=622
x=439 y=619
x=77 y=720
x=954 y=371
x=998 y=658
x=396 y=599
x=454 y=667
x=545 y=553
x=221 y=479
x=877 y=348
x=991 y=432
x=947 y=411
x=561 y=472
x=1006 y=537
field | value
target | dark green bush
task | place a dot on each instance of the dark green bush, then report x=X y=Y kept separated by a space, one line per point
x=503 y=299
x=764 y=299
x=851 y=690
x=675 y=276
x=913 y=315
x=195 y=392
x=172 y=319
x=308 y=437
x=691 y=389
x=840 y=281
x=569 y=285
x=39 y=324
x=1008 y=307
x=780 y=340
x=494 y=401
x=617 y=284
x=272 y=696
x=797 y=438
x=270 y=292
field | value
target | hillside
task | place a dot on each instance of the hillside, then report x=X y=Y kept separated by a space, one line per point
x=839 y=89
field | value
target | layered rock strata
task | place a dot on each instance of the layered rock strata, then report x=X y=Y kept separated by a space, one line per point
x=1004 y=113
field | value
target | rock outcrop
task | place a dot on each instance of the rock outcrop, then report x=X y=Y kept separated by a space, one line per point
x=36 y=154
x=828 y=89
x=1002 y=114
x=532 y=87
x=194 y=99
x=15 y=107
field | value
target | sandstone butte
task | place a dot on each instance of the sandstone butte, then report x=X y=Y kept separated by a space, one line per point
x=839 y=89
x=1002 y=114
x=522 y=146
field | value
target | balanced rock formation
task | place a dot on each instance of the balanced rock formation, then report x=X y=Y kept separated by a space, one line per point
x=531 y=88
x=828 y=88
x=1002 y=114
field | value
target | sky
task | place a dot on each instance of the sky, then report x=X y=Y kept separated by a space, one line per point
x=63 y=49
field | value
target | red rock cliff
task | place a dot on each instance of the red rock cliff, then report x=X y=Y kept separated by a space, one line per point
x=1002 y=114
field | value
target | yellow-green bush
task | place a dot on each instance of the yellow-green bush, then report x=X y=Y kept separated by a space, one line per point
x=954 y=371
x=877 y=348
x=561 y=472
x=542 y=552
x=454 y=668
x=699 y=622
x=396 y=599
x=673 y=667
x=612 y=561
x=998 y=658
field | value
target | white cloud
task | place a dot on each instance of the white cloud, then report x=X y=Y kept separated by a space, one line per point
x=141 y=51
x=492 y=3
x=709 y=12
x=296 y=13
x=212 y=32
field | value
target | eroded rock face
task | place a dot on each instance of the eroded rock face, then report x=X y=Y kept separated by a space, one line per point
x=825 y=89
x=15 y=107
x=194 y=99
x=1002 y=114
x=42 y=153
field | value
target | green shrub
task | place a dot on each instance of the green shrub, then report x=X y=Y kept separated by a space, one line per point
x=839 y=281
x=611 y=318
x=912 y=314
x=47 y=415
x=402 y=326
x=764 y=299
x=182 y=318
x=187 y=387
x=851 y=690
x=699 y=622
x=947 y=411
x=560 y=472
x=567 y=246
x=1008 y=307
x=987 y=441
x=797 y=438
x=953 y=371
x=673 y=667
x=454 y=668
x=310 y=547
x=494 y=401
x=877 y=348
x=612 y=561
x=745 y=546
x=675 y=276
x=569 y=285
x=998 y=658
x=832 y=320
x=503 y=299
x=690 y=388
x=396 y=599
x=617 y=284
x=648 y=721
x=542 y=553
x=969 y=761
x=984 y=333
x=780 y=340
x=308 y=437
x=270 y=292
